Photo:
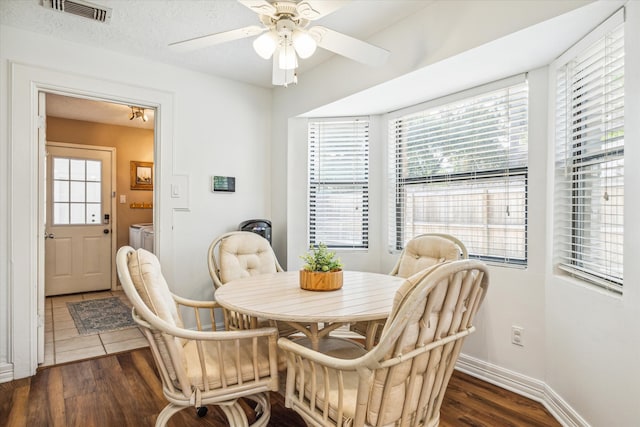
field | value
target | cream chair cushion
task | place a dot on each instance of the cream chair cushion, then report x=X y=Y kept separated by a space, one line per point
x=446 y=315
x=244 y=255
x=350 y=379
x=392 y=383
x=147 y=278
x=422 y=253
x=226 y=356
x=146 y=275
x=342 y=349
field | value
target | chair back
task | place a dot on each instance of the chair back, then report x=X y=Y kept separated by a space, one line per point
x=239 y=254
x=199 y=366
x=420 y=343
x=426 y=250
x=142 y=281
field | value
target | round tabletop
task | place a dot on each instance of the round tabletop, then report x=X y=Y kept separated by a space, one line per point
x=277 y=296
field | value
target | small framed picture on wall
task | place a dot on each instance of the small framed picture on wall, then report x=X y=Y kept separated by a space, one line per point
x=141 y=175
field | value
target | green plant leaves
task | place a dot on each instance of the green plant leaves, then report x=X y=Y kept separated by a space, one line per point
x=321 y=259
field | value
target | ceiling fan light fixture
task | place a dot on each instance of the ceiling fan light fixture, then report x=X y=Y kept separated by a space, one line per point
x=266 y=44
x=304 y=44
x=284 y=36
x=287 y=59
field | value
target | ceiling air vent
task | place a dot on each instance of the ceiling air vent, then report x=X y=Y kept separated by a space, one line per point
x=80 y=8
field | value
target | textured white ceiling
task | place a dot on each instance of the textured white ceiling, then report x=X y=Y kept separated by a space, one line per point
x=145 y=28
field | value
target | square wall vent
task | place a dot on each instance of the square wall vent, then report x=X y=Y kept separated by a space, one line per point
x=80 y=8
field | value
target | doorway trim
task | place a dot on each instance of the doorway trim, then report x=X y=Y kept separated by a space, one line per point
x=26 y=261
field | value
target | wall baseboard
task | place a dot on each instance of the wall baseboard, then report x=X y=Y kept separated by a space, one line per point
x=522 y=385
x=6 y=372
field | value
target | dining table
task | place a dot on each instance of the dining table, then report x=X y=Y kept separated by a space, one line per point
x=364 y=296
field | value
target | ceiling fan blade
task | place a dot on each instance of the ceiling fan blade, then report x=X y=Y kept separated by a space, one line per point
x=312 y=10
x=217 y=38
x=261 y=7
x=348 y=46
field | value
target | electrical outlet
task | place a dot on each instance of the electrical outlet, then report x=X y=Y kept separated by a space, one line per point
x=517 y=335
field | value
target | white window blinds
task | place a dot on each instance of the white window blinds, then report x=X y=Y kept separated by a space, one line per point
x=589 y=189
x=339 y=183
x=461 y=168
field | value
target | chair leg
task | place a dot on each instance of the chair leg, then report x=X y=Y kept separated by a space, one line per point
x=237 y=416
x=232 y=410
x=166 y=413
x=262 y=410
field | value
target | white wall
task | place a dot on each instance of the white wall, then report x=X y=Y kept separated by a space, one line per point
x=201 y=133
x=581 y=347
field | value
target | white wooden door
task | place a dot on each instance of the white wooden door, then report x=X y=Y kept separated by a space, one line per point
x=78 y=220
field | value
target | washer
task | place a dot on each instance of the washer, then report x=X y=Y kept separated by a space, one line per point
x=135 y=234
x=148 y=235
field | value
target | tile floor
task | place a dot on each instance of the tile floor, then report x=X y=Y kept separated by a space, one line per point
x=64 y=344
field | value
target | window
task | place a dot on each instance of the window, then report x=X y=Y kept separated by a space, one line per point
x=339 y=183
x=461 y=168
x=589 y=186
x=77 y=193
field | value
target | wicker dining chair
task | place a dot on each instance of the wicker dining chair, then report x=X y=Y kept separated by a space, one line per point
x=240 y=254
x=198 y=367
x=424 y=250
x=402 y=380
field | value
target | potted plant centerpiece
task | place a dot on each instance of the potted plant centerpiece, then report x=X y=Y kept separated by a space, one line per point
x=322 y=270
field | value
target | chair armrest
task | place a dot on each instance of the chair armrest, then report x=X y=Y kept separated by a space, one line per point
x=195 y=303
x=306 y=353
x=196 y=307
x=189 y=334
x=368 y=359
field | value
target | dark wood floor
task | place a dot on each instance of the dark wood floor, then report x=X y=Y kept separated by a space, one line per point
x=123 y=390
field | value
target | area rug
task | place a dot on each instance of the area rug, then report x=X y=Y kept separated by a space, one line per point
x=100 y=315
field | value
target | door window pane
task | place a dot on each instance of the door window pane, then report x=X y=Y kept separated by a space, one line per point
x=93 y=192
x=93 y=170
x=77 y=213
x=61 y=191
x=77 y=191
x=61 y=213
x=93 y=213
x=77 y=170
x=60 y=168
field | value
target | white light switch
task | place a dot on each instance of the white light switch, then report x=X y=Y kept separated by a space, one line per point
x=179 y=191
x=123 y=198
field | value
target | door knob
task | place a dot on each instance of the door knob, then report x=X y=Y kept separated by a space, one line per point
x=105 y=231
x=49 y=236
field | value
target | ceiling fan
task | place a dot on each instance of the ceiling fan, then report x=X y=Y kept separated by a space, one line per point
x=285 y=36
